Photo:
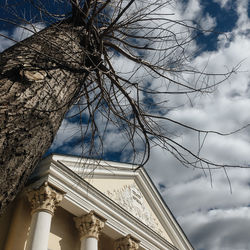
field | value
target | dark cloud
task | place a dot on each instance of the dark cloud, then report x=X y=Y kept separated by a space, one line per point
x=229 y=233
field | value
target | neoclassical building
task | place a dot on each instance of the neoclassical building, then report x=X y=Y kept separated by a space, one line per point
x=72 y=203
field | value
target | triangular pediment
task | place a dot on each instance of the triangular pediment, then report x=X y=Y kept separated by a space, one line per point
x=119 y=189
x=126 y=193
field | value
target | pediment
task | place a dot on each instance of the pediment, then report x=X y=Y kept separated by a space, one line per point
x=118 y=189
x=127 y=194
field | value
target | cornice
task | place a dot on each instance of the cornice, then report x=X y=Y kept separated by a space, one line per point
x=163 y=212
x=73 y=160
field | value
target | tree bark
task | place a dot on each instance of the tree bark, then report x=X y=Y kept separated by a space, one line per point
x=40 y=79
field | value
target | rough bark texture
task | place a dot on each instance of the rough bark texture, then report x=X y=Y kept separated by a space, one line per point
x=39 y=81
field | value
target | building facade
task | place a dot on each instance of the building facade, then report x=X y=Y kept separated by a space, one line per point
x=72 y=203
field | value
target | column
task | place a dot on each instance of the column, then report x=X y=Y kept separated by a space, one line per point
x=89 y=227
x=127 y=243
x=43 y=203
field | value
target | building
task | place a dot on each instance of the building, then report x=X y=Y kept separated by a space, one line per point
x=72 y=203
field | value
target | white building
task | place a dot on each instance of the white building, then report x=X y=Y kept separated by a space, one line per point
x=72 y=203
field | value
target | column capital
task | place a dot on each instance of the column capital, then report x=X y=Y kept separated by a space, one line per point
x=45 y=198
x=127 y=243
x=90 y=225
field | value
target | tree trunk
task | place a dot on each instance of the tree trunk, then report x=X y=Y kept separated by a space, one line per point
x=39 y=81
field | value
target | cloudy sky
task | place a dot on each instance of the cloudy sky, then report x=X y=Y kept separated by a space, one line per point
x=213 y=216
x=212 y=207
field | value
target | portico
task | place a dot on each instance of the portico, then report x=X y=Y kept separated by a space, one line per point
x=84 y=204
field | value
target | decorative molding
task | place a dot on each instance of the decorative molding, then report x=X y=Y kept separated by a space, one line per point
x=45 y=198
x=130 y=198
x=126 y=243
x=90 y=225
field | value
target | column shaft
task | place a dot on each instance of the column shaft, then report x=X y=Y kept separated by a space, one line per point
x=89 y=243
x=40 y=228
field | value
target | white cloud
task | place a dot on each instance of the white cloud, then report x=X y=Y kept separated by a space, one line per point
x=19 y=33
x=23 y=32
x=208 y=23
x=68 y=131
x=243 y=22
x=4 y=42
x=191 y=10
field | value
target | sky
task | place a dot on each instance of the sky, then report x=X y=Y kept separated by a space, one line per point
x=213 y=216
x=213 y=207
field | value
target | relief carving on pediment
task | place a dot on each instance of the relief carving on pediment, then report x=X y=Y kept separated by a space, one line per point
x=131 y=199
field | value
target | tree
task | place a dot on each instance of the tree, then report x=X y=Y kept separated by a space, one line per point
x=71 y=62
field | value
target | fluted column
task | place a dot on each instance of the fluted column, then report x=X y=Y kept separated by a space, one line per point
x=43 y=203
x=126 y=243
x=89 y=227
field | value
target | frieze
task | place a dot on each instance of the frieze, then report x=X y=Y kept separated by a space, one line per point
x=130 y=198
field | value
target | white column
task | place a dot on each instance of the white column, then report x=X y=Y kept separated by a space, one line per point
x=89 y=243
x=89 y=227
x=43 y=203
x=127 y=243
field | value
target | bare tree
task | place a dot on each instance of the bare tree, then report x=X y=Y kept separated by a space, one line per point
x=73 y=61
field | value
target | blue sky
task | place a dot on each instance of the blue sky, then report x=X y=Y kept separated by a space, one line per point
x=213 y=217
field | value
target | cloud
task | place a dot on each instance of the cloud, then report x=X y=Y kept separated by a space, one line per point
x=208 y=23
x=18 y=34
x=4 y=42
x=212 y=216
x=243 y=23
x=68 y=131
x=191 y=10
x=219 y=229
x=23 y=32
